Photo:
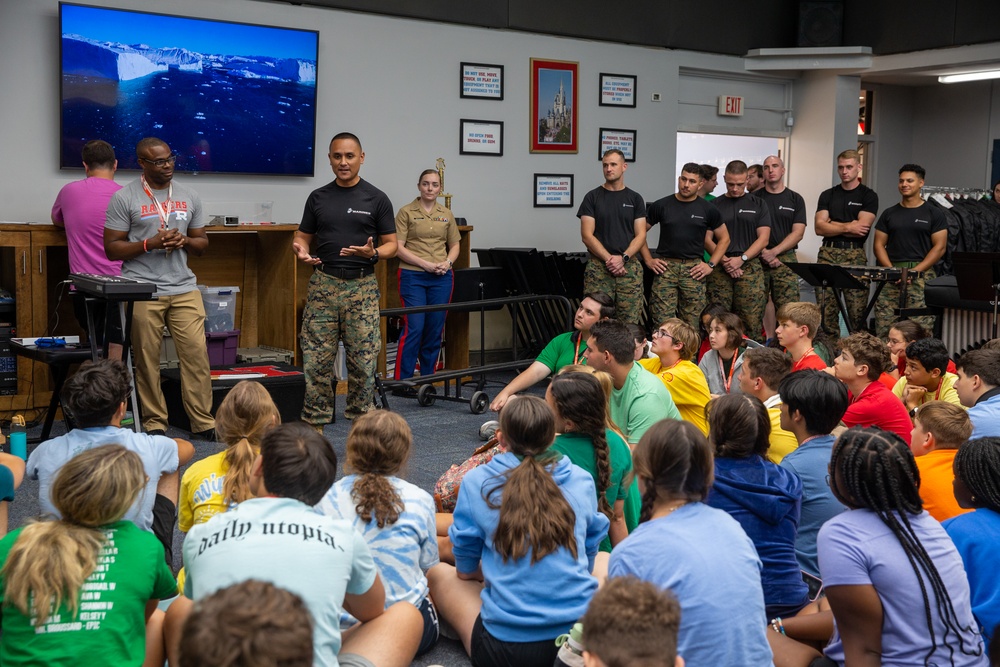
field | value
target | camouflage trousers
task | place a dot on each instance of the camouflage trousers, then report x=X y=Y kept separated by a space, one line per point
x=781 y=283
x=339 y=310
x=676 y=294
x=625 y=290
x=744 y=296
x=856 y=299
x=888 y=302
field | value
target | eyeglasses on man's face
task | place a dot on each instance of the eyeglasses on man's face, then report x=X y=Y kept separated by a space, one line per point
x=170 y=159
x=661 y=333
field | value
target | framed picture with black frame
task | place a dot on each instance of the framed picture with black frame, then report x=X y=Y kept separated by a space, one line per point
x=482 y=82
x=553 y=191
x=617 y=90
x=481 y=137
x=623 y=140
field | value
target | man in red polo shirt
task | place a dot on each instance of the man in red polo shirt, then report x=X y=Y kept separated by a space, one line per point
x=862 y=359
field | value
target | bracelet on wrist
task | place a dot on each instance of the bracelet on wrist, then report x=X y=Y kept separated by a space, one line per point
x=778 y=626
x=145 y=248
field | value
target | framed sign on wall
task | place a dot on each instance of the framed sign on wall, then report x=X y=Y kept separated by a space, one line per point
x=553 y=190
x=617 y=90
x=481 y=137
x=623 y=140
x=484 y=82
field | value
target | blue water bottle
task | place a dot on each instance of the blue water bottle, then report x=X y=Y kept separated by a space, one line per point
x=18 y=437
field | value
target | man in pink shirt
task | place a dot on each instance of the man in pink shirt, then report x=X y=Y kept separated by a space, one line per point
x=80 y=208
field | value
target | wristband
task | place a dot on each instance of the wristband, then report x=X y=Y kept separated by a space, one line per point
x=625 y=258
x=144 y=248
x=374 y=258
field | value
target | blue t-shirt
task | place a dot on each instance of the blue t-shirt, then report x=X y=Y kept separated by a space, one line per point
x=403 y=550
x=158 y=454
x=6 y=483
x=291 y=545
x=977 y=537
x=809 y=462
x=985 y=417
x=703 y=556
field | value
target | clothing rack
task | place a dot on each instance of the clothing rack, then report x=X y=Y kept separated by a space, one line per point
x=954 y=193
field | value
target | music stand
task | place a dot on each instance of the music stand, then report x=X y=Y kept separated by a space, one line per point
x=830 y=276
x=978 y=277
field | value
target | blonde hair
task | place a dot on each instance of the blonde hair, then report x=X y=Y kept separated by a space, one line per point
x=850 y=154
x=949 y=423
x=685 y=334
x=51 y=560
x=377 y=446
x=246 y=414
x=801 y=313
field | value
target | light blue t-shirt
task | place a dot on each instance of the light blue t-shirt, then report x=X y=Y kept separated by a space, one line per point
x=985 y=417
x=977 y=537
x=641 y=402
x=703 y=556
x=404 y=550
x=291 y=545
x=809 y=462
x=158 y=454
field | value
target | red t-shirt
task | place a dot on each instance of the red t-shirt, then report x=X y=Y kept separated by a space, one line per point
x=810 y=360
x=877 y=406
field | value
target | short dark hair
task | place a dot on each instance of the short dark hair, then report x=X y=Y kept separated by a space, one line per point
x=632 y=622
x=930 y=352
x=98 y=154
x=346 y=135
x=868 y=350
x=707 y=171
x=297 y=462
x=94 y=393
x=608 y=309
x=610 y=151
x=915 y=168
x=738 y=426
x=250 y=623
x=819 y=397
x=638 y=333
x=733 y=326
x=910 y=329
x=614 y=336
x=768 y=363
x=736 y=168
x=693 y=168
x=149 y=142
x=984 y=363
x=756 y=169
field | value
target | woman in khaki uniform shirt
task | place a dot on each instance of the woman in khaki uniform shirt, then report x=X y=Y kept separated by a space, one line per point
x=428 y=246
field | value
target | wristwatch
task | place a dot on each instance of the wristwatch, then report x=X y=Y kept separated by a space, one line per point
x=625 y=258
x=374 y=258
x=744 y=257
x=711 y=264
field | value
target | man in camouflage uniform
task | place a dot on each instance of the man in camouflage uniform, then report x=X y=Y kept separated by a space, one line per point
x=913 y=235
x=613 y=227
x=739 y=287
x=788 y=226
x=685 y=221
x=344 y=218
x=844 y=216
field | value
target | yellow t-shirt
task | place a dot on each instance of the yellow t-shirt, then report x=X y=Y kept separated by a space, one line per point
x=937 y=478
x=783 y=442
x=944 y=392
x=687 y=386
x=201 y=491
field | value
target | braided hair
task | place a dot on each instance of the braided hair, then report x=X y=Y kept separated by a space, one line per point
x=875 y=469
x=977 y=465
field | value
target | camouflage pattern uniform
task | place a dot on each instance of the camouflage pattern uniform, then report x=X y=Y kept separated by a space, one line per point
x=625 y=290
x=856 y=299
x=888 y=301
x=339 y=310
x=744 y=296
x=676 y=294
x=781 y=283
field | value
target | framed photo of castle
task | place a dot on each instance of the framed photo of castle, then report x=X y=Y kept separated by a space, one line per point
x=553 y=105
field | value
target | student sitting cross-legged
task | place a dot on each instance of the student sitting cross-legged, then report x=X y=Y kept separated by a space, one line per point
x=939 y=429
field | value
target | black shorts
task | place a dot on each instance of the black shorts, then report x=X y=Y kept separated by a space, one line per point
x=432 y=629
x=164 y=518
x=488 y=651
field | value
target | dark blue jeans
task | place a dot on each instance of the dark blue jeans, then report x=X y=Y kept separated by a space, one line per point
x=421 y=336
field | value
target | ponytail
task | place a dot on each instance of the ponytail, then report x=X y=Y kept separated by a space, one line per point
x=377 y=447
x=236 y=483
x=376 y=499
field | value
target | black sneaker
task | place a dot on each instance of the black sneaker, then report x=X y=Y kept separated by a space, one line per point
x=208 y=435
x=156 y=431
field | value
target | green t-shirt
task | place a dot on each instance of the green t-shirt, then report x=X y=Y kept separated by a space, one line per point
x=579 y=447
x=563 y=351
x=641 y=402
x=110 y=626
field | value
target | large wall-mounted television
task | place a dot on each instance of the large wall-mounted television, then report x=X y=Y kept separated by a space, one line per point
x=228 y=97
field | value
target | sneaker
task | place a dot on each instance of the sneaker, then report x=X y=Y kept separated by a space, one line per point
x=155 y=431
x=488 y=430
x=571 y=647
x=208 y=434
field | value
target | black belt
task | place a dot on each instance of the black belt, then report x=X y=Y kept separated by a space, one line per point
x=846 y=245
x=346 y=274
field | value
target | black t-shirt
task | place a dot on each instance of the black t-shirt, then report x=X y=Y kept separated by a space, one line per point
x=742 y=217
x=787 y=208
x=684 y=225
x=910 y=230
x=341 y=217
x=614 y=213
x=845 y=205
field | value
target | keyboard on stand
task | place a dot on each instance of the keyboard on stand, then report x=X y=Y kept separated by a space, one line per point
x=115 y=287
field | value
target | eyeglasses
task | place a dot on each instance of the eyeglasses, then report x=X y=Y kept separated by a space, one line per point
x=170 y=159
x=660 y=333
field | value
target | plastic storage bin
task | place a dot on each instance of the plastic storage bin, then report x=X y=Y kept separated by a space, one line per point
x=220 y=309
x=222 y=347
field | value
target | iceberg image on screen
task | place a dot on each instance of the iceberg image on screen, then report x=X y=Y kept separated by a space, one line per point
x=227 y=97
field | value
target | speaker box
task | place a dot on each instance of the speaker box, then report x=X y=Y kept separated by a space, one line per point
x=821 y=23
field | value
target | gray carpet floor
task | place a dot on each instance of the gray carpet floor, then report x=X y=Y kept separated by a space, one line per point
x=444 y=433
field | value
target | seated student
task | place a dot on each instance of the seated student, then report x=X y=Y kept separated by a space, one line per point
x=977 y=534
x=96 y=396
x=901 y=334
x=978 y=388
x=638 y=399
x=798 y=323
x=939 y=429
x=925 y=378
x=764 y=498
x=812 y=403
x=641 y=344
x=525 y=537
x=11 y=475
x=698 y=552
x=674 y=345
x=631 y=622
x=705 y=326
x=862 y=359
x=249 y=623
x=724 y=362
x=78 y=590
x=566 y=348
x=763 y=370
x=279 y=537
